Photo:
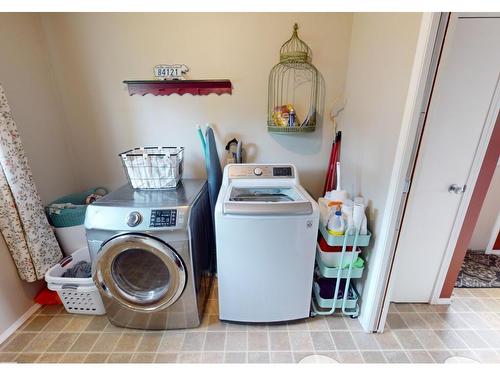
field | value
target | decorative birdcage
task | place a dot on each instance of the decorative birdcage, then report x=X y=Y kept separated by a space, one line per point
x=293 y=89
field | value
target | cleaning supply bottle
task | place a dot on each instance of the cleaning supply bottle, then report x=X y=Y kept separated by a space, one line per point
x=336 y=224
x=347 y=213
x=324 y=210
x=359 y=216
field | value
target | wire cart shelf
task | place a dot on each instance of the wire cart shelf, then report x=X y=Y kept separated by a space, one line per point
x=345 y=296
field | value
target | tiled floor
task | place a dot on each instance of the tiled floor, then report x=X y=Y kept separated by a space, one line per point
x=470 y=327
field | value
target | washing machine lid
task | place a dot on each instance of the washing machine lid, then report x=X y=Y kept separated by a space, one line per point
x=126 y=196
x=266 y=200
x=141 y=272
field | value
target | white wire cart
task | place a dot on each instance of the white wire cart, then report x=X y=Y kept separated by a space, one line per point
x=338 y=279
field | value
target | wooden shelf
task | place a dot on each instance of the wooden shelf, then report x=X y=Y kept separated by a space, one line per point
x=181 y=87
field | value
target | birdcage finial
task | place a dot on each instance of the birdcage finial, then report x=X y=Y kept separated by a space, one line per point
x=294 y=49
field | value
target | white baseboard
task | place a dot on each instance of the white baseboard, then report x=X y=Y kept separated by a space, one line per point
x=442 y=301
x=18 y=323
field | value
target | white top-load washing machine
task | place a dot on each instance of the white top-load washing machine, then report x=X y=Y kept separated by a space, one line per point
x=266 y=231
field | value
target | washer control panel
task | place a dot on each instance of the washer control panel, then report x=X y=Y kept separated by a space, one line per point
x=163 y=218
x=134 y=219
x=282 y=172
x=260 y=171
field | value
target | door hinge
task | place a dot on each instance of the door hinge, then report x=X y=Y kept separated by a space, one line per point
x=406 y=185
x=406 y=189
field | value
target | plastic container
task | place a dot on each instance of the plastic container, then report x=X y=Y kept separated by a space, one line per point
x=363 y=240
x=68 y=217
x=358 y=216
x=347 y=212
x=328 y=303
x=332 y=258
x=323 y=243
x=153 y=167
x=71 y=239
x=333 y=272
x=78 y=295
x=336 y=195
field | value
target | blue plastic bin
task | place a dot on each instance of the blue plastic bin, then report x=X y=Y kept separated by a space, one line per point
x=69 y=217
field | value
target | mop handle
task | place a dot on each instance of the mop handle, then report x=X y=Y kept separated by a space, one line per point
x=329 y=171
x=338 y=175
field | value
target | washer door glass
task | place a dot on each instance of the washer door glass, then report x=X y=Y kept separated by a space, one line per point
x=141 y=275
x=141 y=272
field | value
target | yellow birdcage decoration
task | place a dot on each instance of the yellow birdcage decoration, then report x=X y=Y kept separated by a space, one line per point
x=293 y=89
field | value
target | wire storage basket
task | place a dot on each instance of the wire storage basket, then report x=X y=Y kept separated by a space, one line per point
x=293 y=89
x=153 y=167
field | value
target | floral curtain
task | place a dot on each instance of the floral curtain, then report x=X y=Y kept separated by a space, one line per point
x=23 y=223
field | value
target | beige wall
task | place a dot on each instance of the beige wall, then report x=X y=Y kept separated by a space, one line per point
x=380 y=64
x=16 y=296
x=488 y=216
x=74 y=115
x=93 y=53
x=26 y=77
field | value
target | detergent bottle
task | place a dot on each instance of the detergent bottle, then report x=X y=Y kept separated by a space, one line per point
x=336 y=224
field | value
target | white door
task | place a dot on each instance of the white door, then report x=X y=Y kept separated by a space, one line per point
x=466 y=81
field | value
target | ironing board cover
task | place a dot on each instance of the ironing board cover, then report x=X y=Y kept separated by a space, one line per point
x=214 y=170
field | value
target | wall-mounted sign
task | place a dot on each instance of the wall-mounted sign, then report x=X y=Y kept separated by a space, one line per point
x=167 y=72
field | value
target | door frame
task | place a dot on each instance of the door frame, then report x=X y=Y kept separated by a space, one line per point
x=428 y=50
x=431 y=40
x=493 y=237
x=494 y=232
x=409 y=141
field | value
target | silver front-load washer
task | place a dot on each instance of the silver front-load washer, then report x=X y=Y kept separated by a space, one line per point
x=152 y=254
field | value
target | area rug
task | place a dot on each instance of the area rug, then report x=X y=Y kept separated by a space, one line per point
x=479 y=270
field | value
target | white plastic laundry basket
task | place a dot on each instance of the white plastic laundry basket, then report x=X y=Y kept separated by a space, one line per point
x=78 y=295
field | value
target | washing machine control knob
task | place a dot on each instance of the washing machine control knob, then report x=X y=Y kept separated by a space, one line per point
x=257 y=171
x=134 y=219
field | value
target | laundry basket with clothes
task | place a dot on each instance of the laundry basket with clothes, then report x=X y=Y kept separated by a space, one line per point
x=71 y=279
x=80 y=270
